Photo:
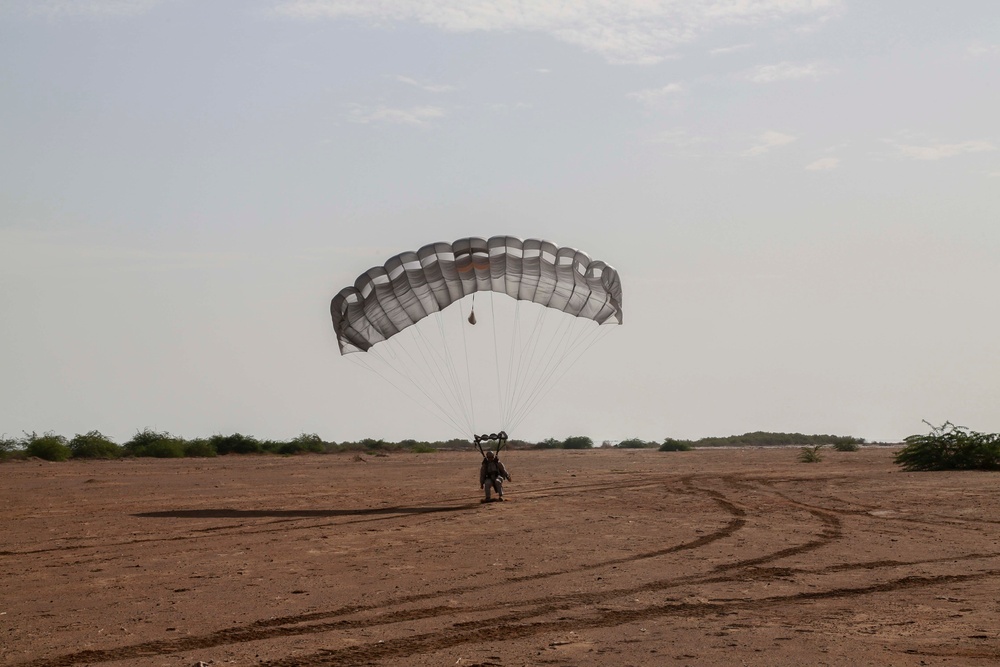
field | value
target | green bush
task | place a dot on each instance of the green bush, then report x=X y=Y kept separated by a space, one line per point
x=378 y=444
x=199 y=448
x=50 y=446
x=302 y=444
x=237 y=443
x=166 y=449
x=769 y=439
x=950 y=447
x=636 y=443
x=9 y=448
x=268 y=447
x=94 y=445
x=309 y=442
x=578 y=442
x=810 y=454
x=674 y=445
x=148 y=442
x=549 y=443
x=846 y=446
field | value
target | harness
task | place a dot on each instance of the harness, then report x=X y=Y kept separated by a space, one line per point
x=493 y=474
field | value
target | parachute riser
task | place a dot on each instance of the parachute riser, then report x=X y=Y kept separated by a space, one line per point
x=500 y=438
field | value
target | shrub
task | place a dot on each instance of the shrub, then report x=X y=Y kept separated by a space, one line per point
x=8 y=447
x=94 y=445
x=50 y=446
x=673 y=445
x=172 y=448
x=422 y=448
x=549 y=443
x=377 y=444
x=810 y=454
x=578 y=442
x=237 y=443
x=309 y=442
x=268 y=447
x=636 y=443
x=769 y=439
x=950 y=447
x=846 y=446
x=156 y=444
x=199 y=448
x=304 y=443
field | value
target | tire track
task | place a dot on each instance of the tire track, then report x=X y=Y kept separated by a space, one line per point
x=436 y=641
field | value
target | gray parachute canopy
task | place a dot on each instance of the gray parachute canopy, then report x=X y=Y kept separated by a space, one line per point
x=412 y=285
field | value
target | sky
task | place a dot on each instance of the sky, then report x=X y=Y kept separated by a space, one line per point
x=802 y=198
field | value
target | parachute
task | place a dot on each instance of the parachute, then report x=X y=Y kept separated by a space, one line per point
x=413 y=321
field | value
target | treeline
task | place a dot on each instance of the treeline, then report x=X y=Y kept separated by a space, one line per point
x=769 y=439
x=755 y=439
x=161 y=444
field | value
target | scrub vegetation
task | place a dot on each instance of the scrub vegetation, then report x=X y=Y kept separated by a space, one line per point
x=950 y=447
x=162 y=444
x=769 y=439
x=811 y=454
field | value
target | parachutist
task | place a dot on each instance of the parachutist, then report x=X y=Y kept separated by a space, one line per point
x=491 y=475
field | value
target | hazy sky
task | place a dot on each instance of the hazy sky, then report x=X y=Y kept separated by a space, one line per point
x=802 y=198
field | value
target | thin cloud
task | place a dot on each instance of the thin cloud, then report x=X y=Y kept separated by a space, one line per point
x=427 y=87
x=768 y=141
x=942 y=151
x=726 y=50
x=682 y=142
x=787 y=72
x=979 y=50
x=381 y=115
x=657 y=96
x=824 y=164
x=67 y=8
x=628 y=31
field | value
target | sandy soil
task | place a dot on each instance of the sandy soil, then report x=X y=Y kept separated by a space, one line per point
x=737 y=557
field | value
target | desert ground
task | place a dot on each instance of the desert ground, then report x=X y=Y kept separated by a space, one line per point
x=601 y=557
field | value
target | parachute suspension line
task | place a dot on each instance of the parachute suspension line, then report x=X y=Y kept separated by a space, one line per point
x=508 y=397
x=444 y=399
x=530 y=335
x=464 y=395
x=555 y=345
x=437 y=412
x=435 y=372
x=448 y=364
x=427 y=369
x=536 y=368
x=444 y=368
x=547 y=377
x=565 y=349
x=579 y=350
x=468 y=372
x=524 y=361
x=496 y=360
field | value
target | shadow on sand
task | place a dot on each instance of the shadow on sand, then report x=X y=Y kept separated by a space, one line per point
x=224 y=513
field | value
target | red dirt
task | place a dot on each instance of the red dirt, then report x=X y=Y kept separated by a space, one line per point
x=721 y=557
